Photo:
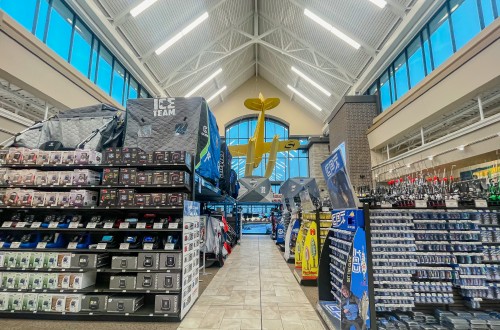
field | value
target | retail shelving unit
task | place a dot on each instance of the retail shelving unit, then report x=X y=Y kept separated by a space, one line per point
x=114 y=278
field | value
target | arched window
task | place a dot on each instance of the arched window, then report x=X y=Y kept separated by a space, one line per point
x=288 y=164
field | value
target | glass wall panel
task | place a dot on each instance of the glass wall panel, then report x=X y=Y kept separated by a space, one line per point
x=385 y=92
x=401 y=76
x=41 y=20
x=104 y=66
x=441 y=43
x=80 y=54
x=488 y=13
x=59 y=30
x=23 y=11
x=429 y=64
x=465 y=20
x=132 y=89
x=415 y=62
x=118 y=82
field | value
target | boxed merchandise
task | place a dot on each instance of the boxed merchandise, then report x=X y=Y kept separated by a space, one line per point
x=45 y=302
x=15 y=178
x=160 y=177
x=15 y=156
x=28 y=177
x=68 y=157
x=64 y=260
x=122 y=282
x=81 y=280
x=161 y=157
x=176 y=199
x=170 y=261
x=23 y=281
x=11 y=259
x=111 y=176
x=128 y=176
x=30 y=156
x=124 y=262
x=177 y=178
x=41 y=178
x=78 y=198
x=52 y=178
x=158 y=199
x=112 y=156
x=50 y=260
x=86 y=177
x=3 y=156
x=43 y=157
x=89 y=260
x=62 y=199
x=25 y=197
x=3 y=175
x=180 y=157
x=51 y=198
x=4 y=301
x=65 y=178
x=55 y=157
x=16 y=301
x=130 y=156
x=38 y=199
x=3 y=197
x=142 y=199
x=85 y=157
x=2 y=261
x=108 y=197
x=144 y=178
x=37 y=259
x=125 y=304
x=146 y=281
x=94 y=303
x=9 y=280
x=145 y=157
x=147 y=260
x=58 y=303
x=30 y=302
x=168 y=281
x=23 y=259
x=36 y=281
x=11 y=197
x=51 y=281
x=126 y=197
x=73 y=303
x=167 y=303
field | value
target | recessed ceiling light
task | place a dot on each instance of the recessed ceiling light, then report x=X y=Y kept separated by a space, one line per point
x=304 y=98
x=332 y=29
x=461 y=147
x=312 y=82
x=181 y=34
x=430 y=157
x=379 y=3
x=408 y=165
x=204 y=82
x=216 y=94
x=142 y=7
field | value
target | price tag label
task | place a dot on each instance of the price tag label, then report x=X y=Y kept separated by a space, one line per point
x=141 y=225
x=481 y=203
x=124 y=225
x=21 y=225
x=73 y=225
x=421 y=204
x=41 y=245
x=72 y=245
x=36 y=225
x=53 y=224
x=108 y=225
x=102 y=246
x=148 y=246
x=124 y=246
x=451 y=203
x=158 y=225
x=15 y=245
x=173 y=225
x=169 y=246
x=7 y=224
x=91 y=225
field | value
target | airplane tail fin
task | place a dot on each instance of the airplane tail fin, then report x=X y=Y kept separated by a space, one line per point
x=259 y=104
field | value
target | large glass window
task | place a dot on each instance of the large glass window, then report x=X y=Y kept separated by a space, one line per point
x=465 y=20
x=429 y=64
x=385 y=91
x=488 y=13
x=133 y=88
x=118 y=82
x=22 y=11
x=93 y=61
x=41 y=20
x=441 y=43
x=80 y=54
x=401 y=76
x=415 y=62
x=104 y=66
x=60 y=27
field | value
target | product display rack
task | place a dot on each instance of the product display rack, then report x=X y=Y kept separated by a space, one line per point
x=171 y=304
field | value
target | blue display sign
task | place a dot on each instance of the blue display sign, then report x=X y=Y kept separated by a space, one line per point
x=348 y=219
x=280 y=233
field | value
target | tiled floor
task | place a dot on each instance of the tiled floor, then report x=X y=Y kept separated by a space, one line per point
x=254 y=290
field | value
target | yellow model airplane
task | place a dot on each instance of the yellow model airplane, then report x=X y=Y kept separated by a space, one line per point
x=256 y=146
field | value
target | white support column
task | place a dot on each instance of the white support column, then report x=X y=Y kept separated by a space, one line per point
x=388 y=154
x=480 y=106
x=46 y=111
x=422 y=135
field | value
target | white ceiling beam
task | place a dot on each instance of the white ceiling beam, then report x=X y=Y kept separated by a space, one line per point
x=124 y=15
x=233 y=51
x=367 y=48
x=236 y=77
x=144 y=57
x=398 y=9
x=256 y=34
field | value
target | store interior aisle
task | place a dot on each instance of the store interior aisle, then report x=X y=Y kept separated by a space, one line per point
x=254 y=290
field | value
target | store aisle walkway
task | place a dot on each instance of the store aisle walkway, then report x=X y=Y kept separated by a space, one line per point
x=254 y=290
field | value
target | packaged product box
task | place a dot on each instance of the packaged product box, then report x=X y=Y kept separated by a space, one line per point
x=51 y=198
x=63 y=260
x=3 y=197
x=55 y=157
x=144 y=178
x=23 y=259
x=15 y=156
x=45 y=302
x=63 y=280
x=11 y=197
x=180 y=157
x=126 y=197
x=142 y=199
x=112 y=156
x=36 y=281
x=176 y=199
x=52 y=178
x=79 y=198
x=4 y=175
x=124 y=262
x=30 y=301
x=87 y=157
x=38 y=199
x=50 y=281
x=160 y=177
x=30 y=156
x=161 y=157
x=23 y=281
x=92 y=260
x=29 y=177
x=4 y=301
x=50 y=260
x=68 y=158
x=111 y=176
x=124 y=304
x=2 y=261
x=128 y=176
x=16 y=301
x=177 y=178
x=9 y=280
x=108 y=197
x=58 y=303
x=147 y=260
x=146 y=281
x=82 y=280
x=73 y=303
x=167 y=304
x=86 y=177
x=122 y=282
x=11 y=259
x=130 y=156
x=37 y=259
x=25 y=197
x=158 y=199
x=94 y=303
x=15 y=178
x=170 y=260
x=43 y=157
x=62 y=199
x=41 y=178
x=145 y=157
x=65 y=178
x=168 y=281
x=3 y=156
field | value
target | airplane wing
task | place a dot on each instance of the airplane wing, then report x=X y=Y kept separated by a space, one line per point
x=287 y=145
x=238 y=150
